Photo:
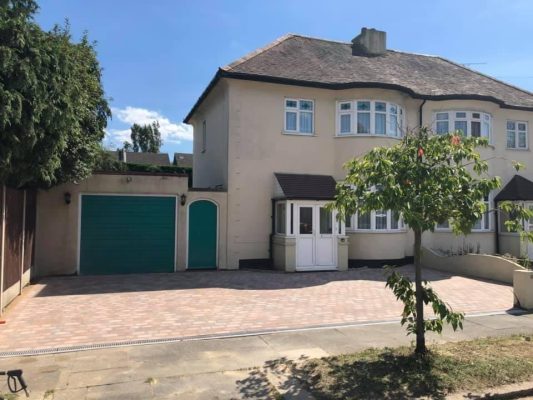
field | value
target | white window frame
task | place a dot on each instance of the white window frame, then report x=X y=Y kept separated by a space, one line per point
x=516 y=133
x=486 y=215
x=484 y=118
x=286 y=221
x=389 y=229
x=353 y=112
x=297 y=110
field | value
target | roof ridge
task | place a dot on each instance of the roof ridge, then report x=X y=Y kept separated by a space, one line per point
x=486 y=76
x=258 y=51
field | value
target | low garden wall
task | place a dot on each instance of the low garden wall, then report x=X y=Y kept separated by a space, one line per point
x=475 y=265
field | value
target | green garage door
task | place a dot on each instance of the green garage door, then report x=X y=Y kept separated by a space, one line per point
x=127 y=234
x=202 y=251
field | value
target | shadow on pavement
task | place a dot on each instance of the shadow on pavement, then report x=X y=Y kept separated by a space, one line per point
x=237 y=280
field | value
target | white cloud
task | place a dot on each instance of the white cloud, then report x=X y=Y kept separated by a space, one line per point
x=171 y=132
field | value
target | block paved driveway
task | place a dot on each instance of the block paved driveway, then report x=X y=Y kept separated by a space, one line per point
x=72 y=311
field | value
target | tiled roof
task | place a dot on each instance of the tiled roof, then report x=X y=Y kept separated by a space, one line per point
x=305 y=61
x=183 y=160
x=143 y=158
x=307 y=187
x=518 y=188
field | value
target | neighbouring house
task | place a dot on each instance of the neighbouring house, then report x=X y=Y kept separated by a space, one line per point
x=141 y=158
x=275 y=127
x=183 y=160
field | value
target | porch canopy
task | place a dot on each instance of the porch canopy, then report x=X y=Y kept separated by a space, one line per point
x=518 y=188
x=304 y=187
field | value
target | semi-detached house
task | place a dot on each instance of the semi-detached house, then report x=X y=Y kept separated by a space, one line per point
x=275 y=127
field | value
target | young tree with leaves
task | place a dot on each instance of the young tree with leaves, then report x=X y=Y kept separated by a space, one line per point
x=53 y=111
x=146 y=138
x=428 y=179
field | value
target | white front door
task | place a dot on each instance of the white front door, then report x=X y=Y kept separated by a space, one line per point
x=316 y=238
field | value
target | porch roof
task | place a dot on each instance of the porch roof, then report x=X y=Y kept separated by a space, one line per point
x=518 y=188
x=306 y=186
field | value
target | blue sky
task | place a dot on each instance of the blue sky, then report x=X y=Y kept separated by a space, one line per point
x=159 y=55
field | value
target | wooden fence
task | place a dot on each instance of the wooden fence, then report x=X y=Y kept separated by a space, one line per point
x=17 y=233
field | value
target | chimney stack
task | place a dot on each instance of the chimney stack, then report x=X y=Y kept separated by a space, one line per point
x=370 y=42
x=122 y=155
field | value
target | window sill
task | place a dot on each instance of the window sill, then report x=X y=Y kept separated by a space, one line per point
x=387 y=231
x=368 y=135
x=516 y=149
x=298 y=134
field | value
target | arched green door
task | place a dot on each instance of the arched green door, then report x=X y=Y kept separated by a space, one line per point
x=203 y=228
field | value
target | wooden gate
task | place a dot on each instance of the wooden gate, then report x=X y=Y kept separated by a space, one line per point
x=17 y=222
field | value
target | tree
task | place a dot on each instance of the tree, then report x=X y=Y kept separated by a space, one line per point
x=428 y=179
x=53 y=111
x=146 y=138
x=127 y=146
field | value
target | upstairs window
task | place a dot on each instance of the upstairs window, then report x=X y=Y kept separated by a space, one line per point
x=299 y=115
x=369 y=117
x=517 y=135
x=469 y=123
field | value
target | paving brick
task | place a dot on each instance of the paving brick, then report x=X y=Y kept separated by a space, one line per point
x=68 y=311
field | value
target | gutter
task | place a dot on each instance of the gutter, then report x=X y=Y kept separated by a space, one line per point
x=420 y=113
x=222 y=73
x=496 y=229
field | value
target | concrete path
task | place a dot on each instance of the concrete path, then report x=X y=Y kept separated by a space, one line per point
x=79 y=311
x=233 y=368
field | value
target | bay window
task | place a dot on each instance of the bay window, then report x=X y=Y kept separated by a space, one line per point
x=517 y=135
x=299 y=115
x=369 y=117
x=379 y=220
x=469 y=123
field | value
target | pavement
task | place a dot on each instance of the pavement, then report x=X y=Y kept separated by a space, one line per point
x=73 y=312
x=244 y=367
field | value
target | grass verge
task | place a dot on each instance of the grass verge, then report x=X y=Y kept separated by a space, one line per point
x=399 y=374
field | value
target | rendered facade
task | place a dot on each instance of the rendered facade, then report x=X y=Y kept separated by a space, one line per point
x=274 y=129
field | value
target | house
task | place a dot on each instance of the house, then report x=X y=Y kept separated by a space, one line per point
x=274 y=128
x=141 y=158
x=183 y=160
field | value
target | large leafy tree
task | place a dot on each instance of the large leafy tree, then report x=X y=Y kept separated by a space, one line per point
x=428 y=179
x=53 y=110
x=145 y=138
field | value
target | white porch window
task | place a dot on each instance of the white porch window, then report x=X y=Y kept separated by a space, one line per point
x=281 y=218
x=299 y=116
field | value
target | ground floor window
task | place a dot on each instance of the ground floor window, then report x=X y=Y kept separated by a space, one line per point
x=482 y=225
x=379 y=220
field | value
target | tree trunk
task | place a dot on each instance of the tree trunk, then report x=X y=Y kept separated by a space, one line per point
x=420 y=331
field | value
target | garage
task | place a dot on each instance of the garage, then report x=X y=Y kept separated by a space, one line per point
x=121 y=234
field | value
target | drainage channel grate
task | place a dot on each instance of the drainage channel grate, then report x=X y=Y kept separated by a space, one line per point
x=140 y=342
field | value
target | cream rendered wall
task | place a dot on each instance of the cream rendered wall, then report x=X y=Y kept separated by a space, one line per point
x=258 y=148
x=210 y=168
x=253 y=115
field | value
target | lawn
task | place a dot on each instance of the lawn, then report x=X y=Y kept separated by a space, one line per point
x=398 y=374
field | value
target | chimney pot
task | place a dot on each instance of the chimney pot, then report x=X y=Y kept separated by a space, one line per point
x=370 y=42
